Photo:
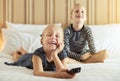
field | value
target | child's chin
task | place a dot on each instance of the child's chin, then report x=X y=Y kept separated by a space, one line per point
x=52 y=48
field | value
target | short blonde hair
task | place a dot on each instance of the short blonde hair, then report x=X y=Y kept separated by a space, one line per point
x=77 y=4
x=55 y=26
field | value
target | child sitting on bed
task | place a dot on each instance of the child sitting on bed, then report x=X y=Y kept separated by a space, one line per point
x=79 y=42
x=50 y=57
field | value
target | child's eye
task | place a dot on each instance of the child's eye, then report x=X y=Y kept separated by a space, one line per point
x=77 y=11
x=82 y=11
x=57 y=36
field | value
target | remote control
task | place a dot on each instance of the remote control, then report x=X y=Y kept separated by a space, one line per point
x=74 y=70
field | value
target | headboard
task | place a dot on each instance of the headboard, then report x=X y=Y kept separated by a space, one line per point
x=58 y=11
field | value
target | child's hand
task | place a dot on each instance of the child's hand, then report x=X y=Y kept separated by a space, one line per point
x=54 y=53
x=64 y=74
x=85 y=56
x=59 y=48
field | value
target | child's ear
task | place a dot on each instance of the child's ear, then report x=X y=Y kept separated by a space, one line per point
x=41 y=41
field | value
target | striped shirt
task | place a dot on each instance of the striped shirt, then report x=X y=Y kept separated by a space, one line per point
x=79 y=42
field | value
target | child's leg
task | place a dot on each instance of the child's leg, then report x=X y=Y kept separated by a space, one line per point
x=22 y=51
x=16 y=56
x=72 y=61
x=98 y=57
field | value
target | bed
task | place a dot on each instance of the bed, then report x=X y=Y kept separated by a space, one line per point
x=28 y=36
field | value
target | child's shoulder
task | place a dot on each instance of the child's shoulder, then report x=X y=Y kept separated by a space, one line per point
x=39 y=50
x=87 y=28
x=68 y=27
x=67 y=30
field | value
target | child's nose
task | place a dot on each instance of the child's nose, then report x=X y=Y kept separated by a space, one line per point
x=53 y=36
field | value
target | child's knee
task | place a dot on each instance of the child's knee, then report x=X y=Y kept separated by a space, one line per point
x=105 y=53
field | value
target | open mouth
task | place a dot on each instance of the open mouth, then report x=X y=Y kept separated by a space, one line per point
x=53 y=43
x=77 y=16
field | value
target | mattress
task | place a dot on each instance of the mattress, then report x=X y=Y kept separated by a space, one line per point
x=107 y=71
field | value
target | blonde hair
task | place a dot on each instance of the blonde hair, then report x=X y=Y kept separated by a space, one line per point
x=55 y=26
x=77 y=4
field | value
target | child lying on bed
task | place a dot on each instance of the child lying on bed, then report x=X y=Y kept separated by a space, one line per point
x=50 y=57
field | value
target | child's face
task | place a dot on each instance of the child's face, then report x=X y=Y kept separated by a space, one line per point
x=78 y=14
x=52 y=37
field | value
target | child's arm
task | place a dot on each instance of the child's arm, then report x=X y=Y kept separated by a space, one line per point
x=22 y=50
x=38 y=70
x=60 y=65
x=90 y=40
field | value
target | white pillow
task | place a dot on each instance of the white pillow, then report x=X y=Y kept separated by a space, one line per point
x=107 y=37
x=25 y=35
x=28 y=28
x=14 y=40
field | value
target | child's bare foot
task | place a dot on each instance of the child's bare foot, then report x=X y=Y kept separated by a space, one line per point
x=22 y=51
x=16 y=56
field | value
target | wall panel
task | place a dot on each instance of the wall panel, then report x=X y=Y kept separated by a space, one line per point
x=113 y=11
x=101 y=12
x=1 y=11
x=40 y=7
x=118 y=11
x=60 y=13
x=91 y=12
x=18 y=11
x=83 y=2
x=54 y=11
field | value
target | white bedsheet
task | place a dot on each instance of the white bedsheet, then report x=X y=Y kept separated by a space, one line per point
x=105 y=36
x=108 y=71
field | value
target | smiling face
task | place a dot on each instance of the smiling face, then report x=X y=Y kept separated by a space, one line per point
x=51 y=37
x=78 y=14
